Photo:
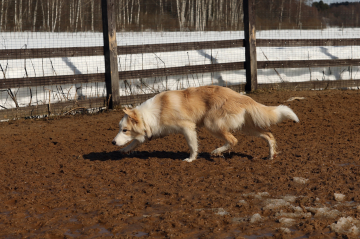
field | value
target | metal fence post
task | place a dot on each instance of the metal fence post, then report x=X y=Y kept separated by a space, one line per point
x=110 y=53
x=250 y=45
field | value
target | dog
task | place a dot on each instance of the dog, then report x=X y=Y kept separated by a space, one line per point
x=219 y=109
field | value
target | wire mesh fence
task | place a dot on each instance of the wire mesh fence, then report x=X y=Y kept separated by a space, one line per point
x=52 y=56
x=323 y=35
x=48 y=52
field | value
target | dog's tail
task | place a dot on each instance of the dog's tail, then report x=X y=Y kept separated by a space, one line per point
x=264 y=116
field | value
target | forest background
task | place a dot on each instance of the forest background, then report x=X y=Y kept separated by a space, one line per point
x=173 y=15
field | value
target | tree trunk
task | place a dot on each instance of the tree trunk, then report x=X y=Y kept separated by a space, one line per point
x=131 y=12
x=60 y=8
x=203 y=19
x=2 y=15
x=92 y=15
x=281 y=13
x=220 y=15
x=138 y=15
x=35 y=15
x=6 y=14
x=77 y=15
x=29 y=11
x=299 y=16
x=48 y=16
x=16 y=15
x=181 y=13
x=271 y=8
x=52 y=16
x=20 y=16
x=191 y=13
x=289 y=11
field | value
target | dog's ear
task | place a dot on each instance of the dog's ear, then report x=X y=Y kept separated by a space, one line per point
x=131 y=114
x=127 y=111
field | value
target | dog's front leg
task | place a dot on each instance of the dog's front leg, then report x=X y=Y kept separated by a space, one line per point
x=130 y=147
x=190 y=136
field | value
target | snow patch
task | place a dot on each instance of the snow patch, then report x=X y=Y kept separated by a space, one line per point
x=346 y=225
x=300 y=180
x=255 y=218
x=275 y=203
x=242 y=202
x=290 y=198
x=287 y=221
x=324 y=212
x=298 y=213
x=295 y=98
x=259 y=195
x=284 y=230
x=339 y=197
x=220 y=211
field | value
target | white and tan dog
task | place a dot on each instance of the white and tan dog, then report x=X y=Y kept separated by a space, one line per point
x=220 y=110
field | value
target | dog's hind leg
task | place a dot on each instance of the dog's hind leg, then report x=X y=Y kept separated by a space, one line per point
x=230 y=140
x=267 y=136
x=188 y=130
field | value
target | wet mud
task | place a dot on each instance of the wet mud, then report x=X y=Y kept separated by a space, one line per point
x=62 y=178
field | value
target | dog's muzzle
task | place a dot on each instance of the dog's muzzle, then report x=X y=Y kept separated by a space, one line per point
x=113 y=142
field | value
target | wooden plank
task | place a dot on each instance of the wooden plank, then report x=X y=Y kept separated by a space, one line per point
x=307 y=42
x=250 y=45
x=110 y=53
x=184 y=46
x=52 y=109
x=312 y=85
x=306 y=63
x=12 y=54
x=181 y=70
x=51 y=80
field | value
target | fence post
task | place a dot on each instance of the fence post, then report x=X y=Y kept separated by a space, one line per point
x=250 y=45
x=110 y=53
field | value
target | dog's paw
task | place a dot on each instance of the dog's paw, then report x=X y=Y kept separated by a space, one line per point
x=216 y=153
x=189 y=160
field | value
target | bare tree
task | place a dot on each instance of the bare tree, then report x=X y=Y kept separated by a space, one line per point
x=92 y=14
x=77 y=14
x=138 y=15
x=281 y=13
x=35 y=15
x=16 y=13
x=289 y=11
x=299 y=14
x=181 y=13
x=2 y=14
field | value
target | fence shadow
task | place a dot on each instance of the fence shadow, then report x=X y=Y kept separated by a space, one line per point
x=116 y=155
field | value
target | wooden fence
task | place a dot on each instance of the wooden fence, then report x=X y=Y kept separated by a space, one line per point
x=112 y=76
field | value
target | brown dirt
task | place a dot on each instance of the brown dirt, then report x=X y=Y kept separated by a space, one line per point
x=62 y=177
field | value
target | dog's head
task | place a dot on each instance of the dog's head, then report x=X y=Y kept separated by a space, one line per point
x=131 y=128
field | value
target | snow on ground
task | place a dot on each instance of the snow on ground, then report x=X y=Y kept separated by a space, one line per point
x=95 y=64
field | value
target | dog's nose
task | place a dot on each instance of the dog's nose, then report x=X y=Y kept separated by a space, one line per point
x=113 y=142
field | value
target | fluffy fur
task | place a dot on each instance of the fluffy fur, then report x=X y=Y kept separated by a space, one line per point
x=220 y=110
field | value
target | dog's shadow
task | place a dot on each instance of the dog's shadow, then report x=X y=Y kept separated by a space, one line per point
x=116 y=155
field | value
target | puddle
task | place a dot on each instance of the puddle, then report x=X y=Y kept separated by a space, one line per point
x=140 y=234
x=268 y=234
x=348 y=164
x=116 y=203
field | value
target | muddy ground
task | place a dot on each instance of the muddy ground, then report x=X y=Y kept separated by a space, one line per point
x=62 y=178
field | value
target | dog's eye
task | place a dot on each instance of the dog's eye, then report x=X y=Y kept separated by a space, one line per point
x=124 y=130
